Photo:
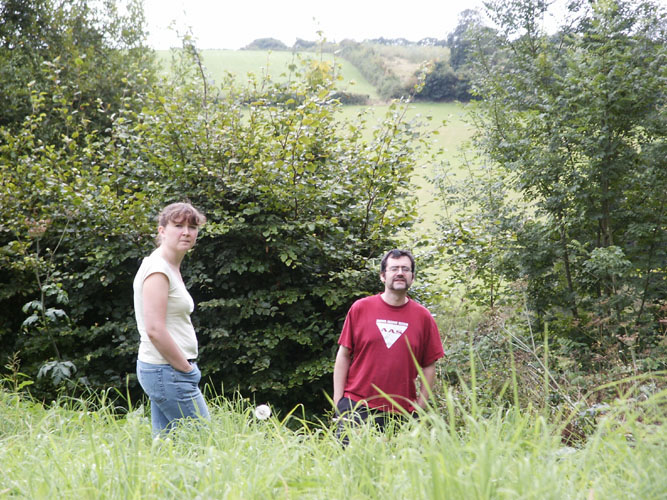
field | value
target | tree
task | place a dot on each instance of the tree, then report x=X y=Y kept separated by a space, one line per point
x=576 y=121
x=66 y=76
x=299 y=204
x=449 y=80
x=460 y=41
x=266 y=44
x=443 y=84
x=93 y=49
x=477 y=234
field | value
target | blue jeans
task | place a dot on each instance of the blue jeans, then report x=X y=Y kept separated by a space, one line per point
x=173 y=394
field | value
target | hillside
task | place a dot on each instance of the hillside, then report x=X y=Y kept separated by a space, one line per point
x=276 y=64
x=447 y=118
x=394 y=65
x=372 y=71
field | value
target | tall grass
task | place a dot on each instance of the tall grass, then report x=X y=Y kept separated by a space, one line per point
x=70 y=450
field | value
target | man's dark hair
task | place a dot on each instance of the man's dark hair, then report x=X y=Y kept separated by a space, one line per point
x=396 y=254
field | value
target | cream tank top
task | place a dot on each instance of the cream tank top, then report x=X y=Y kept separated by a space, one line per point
x=179 y=307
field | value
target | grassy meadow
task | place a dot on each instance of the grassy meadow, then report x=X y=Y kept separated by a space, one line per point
x=461 y=449
x=446 y=126
x=275 y=64
x=79 y=449
x=445 y=121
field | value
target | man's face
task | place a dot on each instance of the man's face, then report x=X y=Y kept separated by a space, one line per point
x=398 y=275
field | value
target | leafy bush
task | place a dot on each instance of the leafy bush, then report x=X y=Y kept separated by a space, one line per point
x=266 y=44
x=578 y=201
x=63 y=234
x=444 y=84
x=90 y=49
x=351 y=98
x=299 y=208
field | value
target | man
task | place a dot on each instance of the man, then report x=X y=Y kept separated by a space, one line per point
x=383 y=338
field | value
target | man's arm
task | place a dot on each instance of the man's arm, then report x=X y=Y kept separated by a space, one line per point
x=341 y=367
x=426 y=384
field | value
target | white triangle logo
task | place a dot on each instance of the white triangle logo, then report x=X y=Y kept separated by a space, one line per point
x=391 y=330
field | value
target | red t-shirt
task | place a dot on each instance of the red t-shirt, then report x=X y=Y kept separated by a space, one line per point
x=382 y=340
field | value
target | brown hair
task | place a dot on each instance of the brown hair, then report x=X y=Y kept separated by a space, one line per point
x=179 y=212
x=396 y=254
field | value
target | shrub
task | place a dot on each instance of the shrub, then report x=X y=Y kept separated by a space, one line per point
x=299 y=208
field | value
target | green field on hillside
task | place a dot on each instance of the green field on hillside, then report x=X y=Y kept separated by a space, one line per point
x=447 y=119
x=276 y=64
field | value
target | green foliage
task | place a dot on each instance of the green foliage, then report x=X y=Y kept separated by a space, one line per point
x=478 y=235
x=373 y=67
x=576 y=124
x=443 y=84
x=58 y=371
x=64 y=229
x=299 y=209
x=300 y=205
x=449 y=80
x=87 y=51
x=459 y=41
x=81 y=449
x=266 y=44
x=65 y=239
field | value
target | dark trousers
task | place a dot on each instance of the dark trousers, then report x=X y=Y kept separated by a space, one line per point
x=351 y=413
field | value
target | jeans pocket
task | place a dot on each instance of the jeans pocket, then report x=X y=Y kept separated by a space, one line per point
x=195 y=373
x=186 y=385
x=152 y=382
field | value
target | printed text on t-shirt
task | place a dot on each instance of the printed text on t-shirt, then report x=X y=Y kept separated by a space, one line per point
x=391 y=330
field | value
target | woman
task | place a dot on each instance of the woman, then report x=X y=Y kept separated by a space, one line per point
x=166 y=366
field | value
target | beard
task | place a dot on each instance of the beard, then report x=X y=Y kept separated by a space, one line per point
x=401 y=284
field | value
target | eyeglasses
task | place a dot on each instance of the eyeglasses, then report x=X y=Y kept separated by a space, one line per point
x=395 y=269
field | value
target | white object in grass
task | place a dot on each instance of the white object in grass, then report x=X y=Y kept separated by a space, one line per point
x=262 y=412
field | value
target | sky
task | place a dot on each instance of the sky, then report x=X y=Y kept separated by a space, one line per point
x=225 y=24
